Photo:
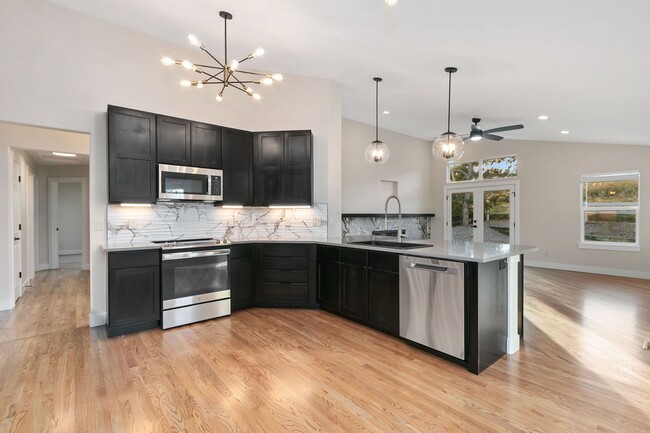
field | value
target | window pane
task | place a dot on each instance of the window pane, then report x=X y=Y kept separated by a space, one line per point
x=613 y=193
x=496 y=216
x=611 y=226
x=462 y=216
x=497 y=168
x=464 y=171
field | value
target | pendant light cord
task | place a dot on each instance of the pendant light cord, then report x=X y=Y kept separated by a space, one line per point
x=449 y=106
x=376 y=110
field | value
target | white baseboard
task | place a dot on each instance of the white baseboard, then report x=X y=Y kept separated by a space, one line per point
x=7 y=304
x=589 y=269
x=512 y=345
x=43 y=267
x=69 y=252
x=97 y=319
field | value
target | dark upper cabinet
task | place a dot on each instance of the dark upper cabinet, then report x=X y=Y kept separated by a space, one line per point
x=237 y=164
x=173 y=142
x=205 y=145
x=133 y=291
x=241 y=277
x=283 y=168
x=131 y=156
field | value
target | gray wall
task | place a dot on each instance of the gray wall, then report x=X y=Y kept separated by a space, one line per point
x=70 y=221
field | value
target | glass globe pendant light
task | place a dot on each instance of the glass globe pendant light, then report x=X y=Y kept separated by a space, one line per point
x=377 y=152
x=449 y=146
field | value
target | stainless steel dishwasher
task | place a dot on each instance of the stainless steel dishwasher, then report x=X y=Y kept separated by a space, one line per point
x=432 y=304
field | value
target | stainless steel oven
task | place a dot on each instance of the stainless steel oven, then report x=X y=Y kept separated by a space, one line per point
x=177 y=182
x=195 y=285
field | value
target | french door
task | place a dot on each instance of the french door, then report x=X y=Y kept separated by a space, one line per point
x=486 y=213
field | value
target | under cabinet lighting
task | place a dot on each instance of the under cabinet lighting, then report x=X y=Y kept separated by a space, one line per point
x=135 y=204
x=289 y=207
x=542 y=117
x=564 y=132
x=65 y=154
x=230 y=206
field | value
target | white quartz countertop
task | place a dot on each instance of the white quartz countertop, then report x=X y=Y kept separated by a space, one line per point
x=451 y=250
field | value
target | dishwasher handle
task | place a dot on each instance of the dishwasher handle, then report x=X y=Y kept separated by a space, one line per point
x=430 y=268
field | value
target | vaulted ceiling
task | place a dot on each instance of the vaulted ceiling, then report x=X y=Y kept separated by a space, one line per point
x=583 y=63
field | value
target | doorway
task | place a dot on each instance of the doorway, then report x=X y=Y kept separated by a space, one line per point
x=67 y=226
x=488 y=212
x=17 y=231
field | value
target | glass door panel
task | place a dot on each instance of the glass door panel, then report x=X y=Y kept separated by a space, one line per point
x=497 y=219
x=463 y=224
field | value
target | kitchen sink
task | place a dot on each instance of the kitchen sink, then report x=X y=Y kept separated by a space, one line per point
x=391 y=244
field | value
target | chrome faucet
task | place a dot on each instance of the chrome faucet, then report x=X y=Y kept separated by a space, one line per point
x=399 y=216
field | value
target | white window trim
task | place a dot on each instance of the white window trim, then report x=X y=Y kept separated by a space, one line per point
x=611 y=246
x=480 y=171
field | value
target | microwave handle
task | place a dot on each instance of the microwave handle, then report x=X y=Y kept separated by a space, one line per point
x=195 y=254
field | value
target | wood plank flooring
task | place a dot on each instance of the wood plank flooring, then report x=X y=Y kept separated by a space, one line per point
x=581 y=369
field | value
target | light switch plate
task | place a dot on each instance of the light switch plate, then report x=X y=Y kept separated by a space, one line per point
x=98 y=225
x=317 y=222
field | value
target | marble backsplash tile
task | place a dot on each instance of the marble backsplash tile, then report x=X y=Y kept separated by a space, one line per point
x=177 y=220
x=416 y=227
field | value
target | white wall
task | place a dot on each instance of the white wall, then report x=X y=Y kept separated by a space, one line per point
x=410 y=165
x=66 y=68
x=70 y=218
x=549 y=175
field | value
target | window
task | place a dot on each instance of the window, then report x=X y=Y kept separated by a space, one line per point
x=609 y=211
x=483 y=169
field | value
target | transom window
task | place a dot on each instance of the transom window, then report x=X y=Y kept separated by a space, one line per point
x=609 y=211
x=483 y=169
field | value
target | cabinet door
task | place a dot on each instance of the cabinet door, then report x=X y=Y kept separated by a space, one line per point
x=206 y=145
x=237 y=162
x=329 y=286
x=383 y=300
x=354 y=291
x=298 y=168
x=269 y=163
x=133 y=295
x=173 y=140
x=241 y=283
x=131 y=156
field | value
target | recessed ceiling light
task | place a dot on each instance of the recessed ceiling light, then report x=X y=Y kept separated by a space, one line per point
x=386 y=112
x=542 y=117
x=564 y=131
x=391 y=2
x=67 y=155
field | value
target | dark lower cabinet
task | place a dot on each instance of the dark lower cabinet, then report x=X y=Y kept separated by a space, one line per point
x=383 y=300
x=133 y=291
x=329 y=285
x=354 y=291
x=131 y=156
x=242 y=291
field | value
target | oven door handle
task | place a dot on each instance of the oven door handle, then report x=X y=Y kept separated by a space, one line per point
x=195 y=254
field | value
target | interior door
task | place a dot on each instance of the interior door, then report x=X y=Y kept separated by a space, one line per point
x=481 y=214
x=17 y=231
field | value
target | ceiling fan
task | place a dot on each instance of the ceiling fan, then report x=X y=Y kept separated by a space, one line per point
x=477 y=132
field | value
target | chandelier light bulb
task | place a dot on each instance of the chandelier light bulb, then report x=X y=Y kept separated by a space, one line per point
x=277 y=77
x=220 y=97
x=259 y=51
x=187 y=64
x=194 y=40
x=391 y=2
x=248 y=90
x=199 y=84
x=234 y=64
x=167 y=61
x=257 y=96
x=186 y=83
x=267 y=81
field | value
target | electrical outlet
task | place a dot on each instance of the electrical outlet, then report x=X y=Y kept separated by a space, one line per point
x=231 y=222
x=646 y=345
x=317 y=222
x=98 y=225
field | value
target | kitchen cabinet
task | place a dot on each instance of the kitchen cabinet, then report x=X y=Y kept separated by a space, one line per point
x=133 y=291
x=354 y=284
x=173 y=140
x=237 y=164
x=285 y=275
x=383 y=291
x=131 y=156
x=283 y=168
x=205 y=145
x=242 y=292
x=329 y=278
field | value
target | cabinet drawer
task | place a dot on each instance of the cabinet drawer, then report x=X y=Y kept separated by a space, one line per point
x=285 y=292
x=285 y=263
x=133 y=259
x=237 y=251
x=383 y=261
x=330 y=254
x=354 y=257
x=285 y=276
x=286 y=250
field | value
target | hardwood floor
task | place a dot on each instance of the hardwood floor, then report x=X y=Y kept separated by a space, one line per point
x=581 y=369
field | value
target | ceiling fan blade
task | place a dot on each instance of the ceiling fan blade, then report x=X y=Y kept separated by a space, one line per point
x=504 y=128
x=492 y=137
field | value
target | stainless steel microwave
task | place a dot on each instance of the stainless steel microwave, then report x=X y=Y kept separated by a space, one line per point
x=177 y=182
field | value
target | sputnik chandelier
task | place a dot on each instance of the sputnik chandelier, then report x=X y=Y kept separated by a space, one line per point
x=224 y=74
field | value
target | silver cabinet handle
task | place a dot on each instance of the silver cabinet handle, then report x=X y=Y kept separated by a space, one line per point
x=431 y=268
x=194 y=254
